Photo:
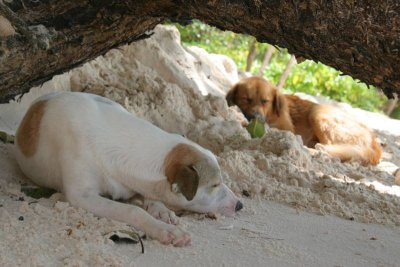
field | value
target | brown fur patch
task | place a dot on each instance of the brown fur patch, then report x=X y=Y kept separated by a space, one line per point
x=397 y=177
x=376 y=155
x=249 y=95
x=178 y=168
x=28 y=131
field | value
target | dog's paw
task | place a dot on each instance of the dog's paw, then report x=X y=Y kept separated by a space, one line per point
x=321 y=148
x=174 y=235
x=160 y=212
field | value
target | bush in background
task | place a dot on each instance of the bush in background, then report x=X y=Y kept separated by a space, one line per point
x=307 y=77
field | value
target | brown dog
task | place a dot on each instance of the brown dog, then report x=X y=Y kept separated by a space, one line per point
x=336 y=131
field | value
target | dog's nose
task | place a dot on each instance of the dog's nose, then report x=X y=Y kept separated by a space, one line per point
x=259 y=116
x=249 y=117
x=239 y=206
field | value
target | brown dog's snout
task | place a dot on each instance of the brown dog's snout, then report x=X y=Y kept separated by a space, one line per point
x=254 y=115
x=249 y=117
x=260 y=116
x=238 y=206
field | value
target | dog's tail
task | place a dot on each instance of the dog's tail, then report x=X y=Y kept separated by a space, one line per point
x=353 y=152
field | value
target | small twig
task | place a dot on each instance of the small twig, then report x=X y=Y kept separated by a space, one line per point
x=265 y=237
x=141 y=243
x=258 y=233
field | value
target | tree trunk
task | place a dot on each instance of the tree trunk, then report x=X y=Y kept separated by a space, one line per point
x=251 y=56
x=286 y=72
x=391 y=105
x=361 y=38
x=266 y=60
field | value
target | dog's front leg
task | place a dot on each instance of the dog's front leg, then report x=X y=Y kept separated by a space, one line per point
x=90 y=200
x=159 y=211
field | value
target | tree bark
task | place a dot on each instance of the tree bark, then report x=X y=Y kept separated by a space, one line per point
x=360 y=38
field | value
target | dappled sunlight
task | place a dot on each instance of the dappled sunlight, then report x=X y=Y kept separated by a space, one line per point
x=382 y=188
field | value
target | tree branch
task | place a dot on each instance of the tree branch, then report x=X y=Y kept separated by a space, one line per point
x=360 y=38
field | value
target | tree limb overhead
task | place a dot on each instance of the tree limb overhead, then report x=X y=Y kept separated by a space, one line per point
x=39 y=39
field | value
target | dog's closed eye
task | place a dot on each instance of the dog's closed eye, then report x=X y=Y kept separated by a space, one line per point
x=213 y=189
x=264 y=101
x=249 y=100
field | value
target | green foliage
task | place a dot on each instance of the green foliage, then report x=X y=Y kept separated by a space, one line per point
x=308 y=77
x=396 y=113
x=215 y=41
x=37 y=192
x=318 y=79
x=6 y=138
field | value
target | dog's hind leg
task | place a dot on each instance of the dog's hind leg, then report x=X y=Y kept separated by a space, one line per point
x=81 y=192
x=159 y=211
x=346 y=152
x=349 y=152
x=343 y=138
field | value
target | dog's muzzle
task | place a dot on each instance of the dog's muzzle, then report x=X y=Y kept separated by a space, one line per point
x=238 y=206
x=255 y=115
x=259 y=116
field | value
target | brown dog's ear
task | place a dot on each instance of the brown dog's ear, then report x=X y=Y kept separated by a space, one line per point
x=186 y=181
x=231 y=95
x=277 y=103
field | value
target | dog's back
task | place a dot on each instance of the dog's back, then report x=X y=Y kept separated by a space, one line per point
x=299 y=112
x=64 y=122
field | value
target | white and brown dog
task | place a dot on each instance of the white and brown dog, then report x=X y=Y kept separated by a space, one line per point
x=90 y=147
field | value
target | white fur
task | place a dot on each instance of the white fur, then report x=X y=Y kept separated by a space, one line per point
x=90 y=146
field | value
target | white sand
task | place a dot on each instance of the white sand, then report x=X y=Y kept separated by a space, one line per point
x=165 y=83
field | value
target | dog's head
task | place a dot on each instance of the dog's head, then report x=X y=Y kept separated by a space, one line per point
x=256 y=97
x=195 y=182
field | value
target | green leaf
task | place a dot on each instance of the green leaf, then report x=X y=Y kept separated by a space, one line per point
x=125 y=237
x=37 y=192
x=6 y=138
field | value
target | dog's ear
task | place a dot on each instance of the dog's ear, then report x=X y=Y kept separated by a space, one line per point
x=231 y=95
x=277 y=102
x=186 y=181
